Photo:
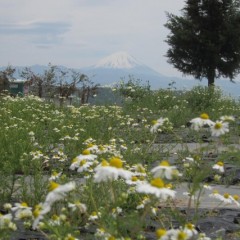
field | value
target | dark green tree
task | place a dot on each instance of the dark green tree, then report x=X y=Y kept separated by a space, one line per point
x=205 y=40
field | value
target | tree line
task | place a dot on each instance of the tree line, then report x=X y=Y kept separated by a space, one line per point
x=53 y=82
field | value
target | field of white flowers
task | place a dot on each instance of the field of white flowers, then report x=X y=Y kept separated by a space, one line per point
x=92 y=172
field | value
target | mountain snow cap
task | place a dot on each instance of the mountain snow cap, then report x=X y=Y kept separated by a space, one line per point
x=119 y=60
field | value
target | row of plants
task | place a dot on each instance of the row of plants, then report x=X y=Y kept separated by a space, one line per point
x=92 y=172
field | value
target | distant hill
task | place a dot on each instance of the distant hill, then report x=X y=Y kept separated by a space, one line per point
x=119 y=66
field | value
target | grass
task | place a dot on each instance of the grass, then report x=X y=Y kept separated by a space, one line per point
x=39 y=140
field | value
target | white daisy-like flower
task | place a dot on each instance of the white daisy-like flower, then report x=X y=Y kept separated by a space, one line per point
x=85 y=158
x=6 y=222
x=57 y=192
x=219 y=166
x=225 y=198
x=39 y=212
x=111 y=171
x=94 y=216
x=235 y=199
x=22 y=211
x=202 y=121
x=219 y=128
x=156 y=187
x=227 y=118
x=157 y=123
x=139 y=170
x=134 y=180
x=164 y=170
x=190 y=230
x=78 y=206
x=55 y=175
x=142 y=204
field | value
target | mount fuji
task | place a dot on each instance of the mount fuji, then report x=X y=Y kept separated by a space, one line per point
x=122 y=66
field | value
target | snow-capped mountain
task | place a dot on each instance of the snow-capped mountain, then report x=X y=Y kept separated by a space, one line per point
x=118 y=60
x=120 y=66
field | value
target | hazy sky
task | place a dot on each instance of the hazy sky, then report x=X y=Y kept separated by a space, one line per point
x=78 y=33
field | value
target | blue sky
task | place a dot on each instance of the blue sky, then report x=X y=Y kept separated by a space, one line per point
x=78 y=33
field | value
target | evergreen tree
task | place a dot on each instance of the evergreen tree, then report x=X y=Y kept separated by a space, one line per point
x=205 y=40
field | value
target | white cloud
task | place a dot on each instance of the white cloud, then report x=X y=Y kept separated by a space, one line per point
x=79 y=32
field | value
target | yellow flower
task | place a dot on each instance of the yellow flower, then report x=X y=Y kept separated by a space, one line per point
x=52 y=186
x=157 y=182
x=116 y=162
x=204 y=116
x=161 y=232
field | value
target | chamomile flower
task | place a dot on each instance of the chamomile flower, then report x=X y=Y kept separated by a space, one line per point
x=6 y=222
x=111 y=170
x=55 y=175
x=39 y=211
x=156 y=187
x=164 y=170
x=225 y=198
x=134 y=180
x=202 y=121
x=58 y=192
x=94 y=216
x=78 y=206
x=190 y=230
x=157 y=124
x=22 y=211
x=83 y=161
x=219 y=166
x=227 y=118
x=219 y=128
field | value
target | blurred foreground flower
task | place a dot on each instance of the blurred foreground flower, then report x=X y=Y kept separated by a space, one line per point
x=156 y=187
x=164 y=170
x=56 y=193
x=111 y=170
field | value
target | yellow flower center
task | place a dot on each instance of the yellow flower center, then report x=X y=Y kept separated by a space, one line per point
x=83 y=162
x=215 y=191
x=111 y=238
x=36 y=212
x=154 y=122
x=86 y=152
x=204 y=116
x=140 y=169
x=55 y=217
x=220 y=164
x=90 y=145
x=236 y=197
x=169 y=185
x=218 y=125
x=104 y=163
x=157 y=182
x=74 y=160
x=24 y=204
x=226 y=195
x=54 y=173
x=52 y=186
x=94 y=214
x=182 y=236
x=116 y=162
x=134 y=178
x=69 y=237
x=165 y=164
x=189 y=226
x=160 y=232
